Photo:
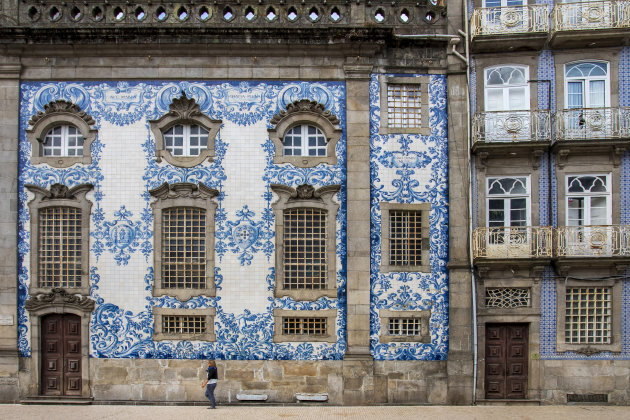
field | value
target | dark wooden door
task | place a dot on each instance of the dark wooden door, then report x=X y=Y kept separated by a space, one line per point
x=61 y=355
x=506 y=361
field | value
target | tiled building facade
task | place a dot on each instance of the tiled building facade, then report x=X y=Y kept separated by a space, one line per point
x=550 y=127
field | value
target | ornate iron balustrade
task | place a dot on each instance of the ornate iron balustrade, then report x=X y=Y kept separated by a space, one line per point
x=590 y=241
x=512 y=242
x=592 y=123
x=512 y=126
x=591 y=15
x=509 y=20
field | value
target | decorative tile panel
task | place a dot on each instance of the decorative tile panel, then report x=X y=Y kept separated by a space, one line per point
x=411 y=168
x=124 y=168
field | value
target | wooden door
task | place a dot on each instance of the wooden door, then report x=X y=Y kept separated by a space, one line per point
x=506 y=361
x=61 y=355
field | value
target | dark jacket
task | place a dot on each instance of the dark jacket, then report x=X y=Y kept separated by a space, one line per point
x=212 y=373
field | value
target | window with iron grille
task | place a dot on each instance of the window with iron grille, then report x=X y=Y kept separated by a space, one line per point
x=60 y=247
x=588 y=315
x=183 y=324
x=312 y=326
x=508 y=297
x=404 y=326
x=59 y=238
x=305 y=238
x=184 y=248
x=405 y=237
x=404 y=105
x=183 y=215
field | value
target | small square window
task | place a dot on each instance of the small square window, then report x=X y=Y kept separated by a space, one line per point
x=404 y=326
x=305 y=326
x=184 y=324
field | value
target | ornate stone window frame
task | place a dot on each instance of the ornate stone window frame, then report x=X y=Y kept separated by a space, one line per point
x=160 y=335
x=424 y=82
x=184 y=111
x=386 y=207
x=183 y=194
x=385 y=315
x=55 y=114
x=58 y=301
x=331 y=326
x=60 y=196
x=306 y=196
x=305 y=112
x=615 y=284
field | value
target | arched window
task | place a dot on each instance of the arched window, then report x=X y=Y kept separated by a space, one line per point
x=304 y=140
x=63 y=140
x=305 y=135
x=61 y=135
x=506 y=88
x=587 y=85
x=184 y=136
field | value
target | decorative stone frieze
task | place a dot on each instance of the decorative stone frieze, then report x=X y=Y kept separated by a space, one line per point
x=59 y=298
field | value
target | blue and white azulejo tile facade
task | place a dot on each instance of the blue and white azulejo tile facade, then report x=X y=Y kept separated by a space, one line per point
x=124 y=169
x=411 y=169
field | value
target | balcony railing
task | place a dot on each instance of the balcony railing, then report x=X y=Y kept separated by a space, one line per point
x=512 y=126
x=512 y=242
x=593 y=123
x=593 y=241
x=591 y=15
x=509 y=20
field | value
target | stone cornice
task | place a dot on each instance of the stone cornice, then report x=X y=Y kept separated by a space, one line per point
x=183 y=190
x=59 y=297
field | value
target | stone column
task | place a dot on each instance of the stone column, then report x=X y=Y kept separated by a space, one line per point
x=358 y=365
x=9 y=123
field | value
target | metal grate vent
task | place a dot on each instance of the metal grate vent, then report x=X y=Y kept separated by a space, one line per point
x=587 y=398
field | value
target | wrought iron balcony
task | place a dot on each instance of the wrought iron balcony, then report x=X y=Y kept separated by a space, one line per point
x=512 y=126
x=590 y=15
x=509 y=242
x=593 y=241
x=510 y=20
x=592 y=124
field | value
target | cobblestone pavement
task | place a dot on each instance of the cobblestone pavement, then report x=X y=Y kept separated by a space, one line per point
x=95 y=412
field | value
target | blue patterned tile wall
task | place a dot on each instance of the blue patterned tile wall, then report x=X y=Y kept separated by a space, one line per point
x=124 y=168
x=410 y=168
x=624 y=77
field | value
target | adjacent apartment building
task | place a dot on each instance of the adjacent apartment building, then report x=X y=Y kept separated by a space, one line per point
x=347 y=202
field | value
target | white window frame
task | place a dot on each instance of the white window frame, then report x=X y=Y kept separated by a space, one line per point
x=304 y=147
x=508 y=197
x=186 y=143
x=586 y=86
x=506 y=87
x=504 y=3
x=587 y=198
x=65 y=140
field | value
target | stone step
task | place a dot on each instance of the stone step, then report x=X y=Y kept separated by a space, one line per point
x=56 y=400
x=508 y=402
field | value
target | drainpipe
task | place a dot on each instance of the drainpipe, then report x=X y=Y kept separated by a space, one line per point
x=473 y=287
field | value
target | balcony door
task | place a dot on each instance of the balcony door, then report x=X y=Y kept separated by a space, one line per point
x=505 y=16
x=587 y=98
x=507 y=104
x=508 y=203
x=588 y=215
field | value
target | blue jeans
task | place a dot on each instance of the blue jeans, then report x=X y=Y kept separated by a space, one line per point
x=210 y=393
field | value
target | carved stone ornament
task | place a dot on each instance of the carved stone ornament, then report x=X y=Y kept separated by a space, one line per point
x=588 y=351
x=184 y=108
x=59 y=191
x=305 y=191
x=61 y=106
x=183 y=190
x=305 y=105
x=59 y=297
